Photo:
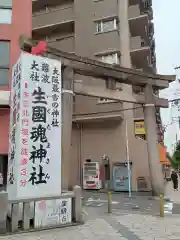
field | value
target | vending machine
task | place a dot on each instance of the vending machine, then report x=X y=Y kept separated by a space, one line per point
x=92 y=175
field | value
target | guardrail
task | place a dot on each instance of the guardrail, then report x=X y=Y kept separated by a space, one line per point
x=21 y=215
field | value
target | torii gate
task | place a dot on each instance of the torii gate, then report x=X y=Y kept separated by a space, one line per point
x=111 y=74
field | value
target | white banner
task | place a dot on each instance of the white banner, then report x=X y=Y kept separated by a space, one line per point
x=38 y=163
x=14 y=138
x=53 y=212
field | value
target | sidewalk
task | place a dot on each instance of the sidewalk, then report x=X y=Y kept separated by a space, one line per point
x=146 y=227
x=96 y=229
x=116 y=226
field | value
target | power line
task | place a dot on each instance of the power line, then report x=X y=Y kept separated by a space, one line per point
x=174 y=100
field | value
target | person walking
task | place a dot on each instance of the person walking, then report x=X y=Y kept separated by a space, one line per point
x=174 y=178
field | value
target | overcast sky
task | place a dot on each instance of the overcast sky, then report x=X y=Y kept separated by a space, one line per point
x=167 y=36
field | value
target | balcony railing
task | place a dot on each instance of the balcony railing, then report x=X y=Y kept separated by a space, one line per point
x=148 y=11
x=150 y=30
x=152 y=45
x=146 y=3
x=153 y=59
x=138 y=10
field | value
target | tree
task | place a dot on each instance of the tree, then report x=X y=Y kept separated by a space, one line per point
x=169 y=157
x=175 y=161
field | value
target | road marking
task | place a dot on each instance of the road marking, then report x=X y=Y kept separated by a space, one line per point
x=97 y=202
x=101 y=201
x=168 y=206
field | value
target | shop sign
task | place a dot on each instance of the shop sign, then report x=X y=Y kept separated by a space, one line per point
x=139 y=128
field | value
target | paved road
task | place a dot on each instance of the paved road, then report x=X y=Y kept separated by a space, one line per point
x=143 y=204
x=119 y=202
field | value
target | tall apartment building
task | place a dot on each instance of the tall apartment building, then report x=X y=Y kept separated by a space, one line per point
x=13 y=22
x=116 y=32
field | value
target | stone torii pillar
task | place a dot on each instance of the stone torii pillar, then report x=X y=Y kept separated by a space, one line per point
x=67 y=112
x=156 y=174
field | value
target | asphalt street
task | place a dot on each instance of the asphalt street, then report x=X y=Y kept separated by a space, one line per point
x=120 y=202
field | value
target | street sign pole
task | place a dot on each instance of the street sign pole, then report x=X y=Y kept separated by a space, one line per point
x=128 y=160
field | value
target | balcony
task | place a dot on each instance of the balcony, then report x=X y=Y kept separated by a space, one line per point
x=107 y=42
x=140 y=52
x=146 y=2
x=136 y=11
x=138 y=44
x=139 y=18
x=38 y=5
x=90 y=110
x=53 y=18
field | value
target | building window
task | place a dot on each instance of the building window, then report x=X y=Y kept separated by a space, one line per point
x=112 y=58
x=6 y=15
x=138 y=89
x=106 y=25
x=4 y=62
x=105 y=100
x=5 y=11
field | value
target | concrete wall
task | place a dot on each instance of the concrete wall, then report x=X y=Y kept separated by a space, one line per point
x=93 y=140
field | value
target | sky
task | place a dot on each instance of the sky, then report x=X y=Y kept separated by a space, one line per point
x=167 y=34
x=167 y=37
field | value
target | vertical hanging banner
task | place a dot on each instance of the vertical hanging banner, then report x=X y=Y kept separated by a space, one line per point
x=37 y=164
x=14 y=138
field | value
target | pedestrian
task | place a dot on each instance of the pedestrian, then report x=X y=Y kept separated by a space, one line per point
x=1 y=181
x=174 y=178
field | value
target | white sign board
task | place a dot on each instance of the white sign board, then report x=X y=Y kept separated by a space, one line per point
x=36 y=163
x=53 y=212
